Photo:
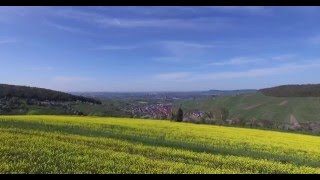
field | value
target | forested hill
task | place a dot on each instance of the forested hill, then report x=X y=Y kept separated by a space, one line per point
x=307 y=90
x=40 y=94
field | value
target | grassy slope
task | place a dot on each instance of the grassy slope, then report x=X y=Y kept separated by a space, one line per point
x=305 y=109
x=62 y=144
x=108 y=108
x=39 y=110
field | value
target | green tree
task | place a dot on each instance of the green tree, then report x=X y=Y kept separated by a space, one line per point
x=180 y=115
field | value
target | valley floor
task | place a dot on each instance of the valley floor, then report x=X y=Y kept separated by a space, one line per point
x=72 y=144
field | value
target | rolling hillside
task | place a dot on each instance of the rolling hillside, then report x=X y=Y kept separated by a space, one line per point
x=278 y=111
x=19 y=100
x=40 y=94
x=71 y=144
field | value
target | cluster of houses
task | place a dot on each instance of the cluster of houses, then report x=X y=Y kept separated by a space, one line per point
x=157 y=111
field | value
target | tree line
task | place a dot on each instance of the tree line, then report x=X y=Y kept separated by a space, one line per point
x=40 y=94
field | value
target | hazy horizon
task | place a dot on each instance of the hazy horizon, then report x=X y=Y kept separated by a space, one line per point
x=159 y=49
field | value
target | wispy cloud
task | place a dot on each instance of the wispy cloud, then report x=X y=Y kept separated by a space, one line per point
x=170 y=10
x=64 y=27
x=108 y=21
x=158 y=10
x=172 y=76
x=315 y=40
x=168 y=23
x=181 y=49
x=308 y=10
x=7 y=41
x=177 y=51
x=117 y=47
x=176 y=10
x=167 y=59
x=186 y=44
x=251 y=73
x=152 y=22
x=43 y=68
x=252 y=60
x=10 y=13
x=258 y=72
x=243 y=9
x=284 y=57
x=237 y=61
x=71 y=78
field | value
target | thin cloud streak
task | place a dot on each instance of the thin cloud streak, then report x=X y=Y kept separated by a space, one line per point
x=46 y=68
x=258 y=72
x=117 y=47
x=7 y=41
x=186 y=44
x=178 y=50
x=252 y=60
x=71 y=79
x=172 y=76
x=315 y=40
x=236 y=61
x=161 y=23
x=167 y=59
x=284 y=57
x=106 y=21
x=242 y=9
x=64 y=27
x=174 y=48
x=252 y=73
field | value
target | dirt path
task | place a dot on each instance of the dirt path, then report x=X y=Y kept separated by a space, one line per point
x=248 y=95
x=293 y=120
x=251 y=107
x=283 y=103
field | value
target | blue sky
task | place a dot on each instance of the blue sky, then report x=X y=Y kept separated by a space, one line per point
x=159 y=48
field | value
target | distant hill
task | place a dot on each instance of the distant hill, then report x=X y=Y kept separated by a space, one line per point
x=306 y=90
x=231 y=92
x=40 y=94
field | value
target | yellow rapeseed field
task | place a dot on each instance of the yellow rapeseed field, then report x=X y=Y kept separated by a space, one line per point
x=71 y=144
